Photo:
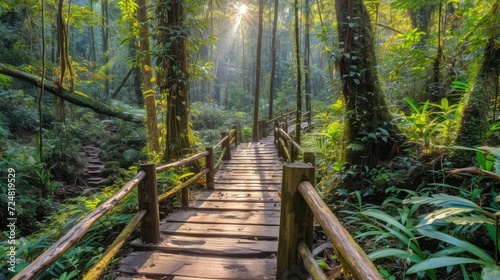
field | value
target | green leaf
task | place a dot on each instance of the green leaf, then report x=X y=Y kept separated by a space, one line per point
x=445 y=201
x=466 y=246
x=322 y=264
x=491 y=272
x=397 y=253
x=441 y=262
x=384 y=217
x=445 y=104
x=412 y=105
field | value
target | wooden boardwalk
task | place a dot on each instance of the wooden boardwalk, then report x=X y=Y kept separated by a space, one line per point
x=228 y=233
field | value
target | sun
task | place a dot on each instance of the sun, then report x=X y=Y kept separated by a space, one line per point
x=242 y=9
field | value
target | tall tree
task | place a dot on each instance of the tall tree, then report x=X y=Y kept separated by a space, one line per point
x=105 y=44
x=299 y=74
x=255 y=135
x=474 y=124
x=148 y=91
x=370 y=134
x=272 y=82
x=307 y=48
x=175 y=78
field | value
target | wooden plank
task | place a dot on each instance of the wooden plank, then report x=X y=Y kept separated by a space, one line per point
x=215 y=230
x=241 y=206
x=162 y=264
x=250 y=181
x=260 y=167
x=247 y=177
x=170 y=278
x=238 y=196
x=254 y=161
x=248 y=248
x=226 y=217
x=228 y=186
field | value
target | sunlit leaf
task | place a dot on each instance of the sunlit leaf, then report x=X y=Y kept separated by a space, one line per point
x=465 y=245
x=445 y=201
x=394 y=253
x=441 y=262
x=491 y=272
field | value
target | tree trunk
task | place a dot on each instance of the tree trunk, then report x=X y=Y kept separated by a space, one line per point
x=307 y=73
x=435 y=88
x=105 y=45
x=421 y=19
x=179 y=138
x=148 y=91
x=299 y=75
x=272 y=82
x=474 y=124
x=76 y=98
x=255 y=135
x=370 y=135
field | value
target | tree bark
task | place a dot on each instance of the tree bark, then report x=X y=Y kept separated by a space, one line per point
x=73 y=97
x=105 y=44
x=179 y=138
x=474 y=124
x=272 y=82
x=147 y=75
x=370 y=135
x=255 y=130
x=299 y=75
x=307 y=73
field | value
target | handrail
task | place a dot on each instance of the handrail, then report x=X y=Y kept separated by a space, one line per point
x=47 y=258
x=289 y=139
x=148 y=211
x=112 y=250
x=287 y=147
x=300 y=204
x=354 y=259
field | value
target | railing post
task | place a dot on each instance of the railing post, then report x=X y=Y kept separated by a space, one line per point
x=148 y=200
x=209 y=164
x=296 y=219
x=309 y=158
x=235 y=135
x=275 y=129
x=264 y=128
x=226 y=144
x=185 y=197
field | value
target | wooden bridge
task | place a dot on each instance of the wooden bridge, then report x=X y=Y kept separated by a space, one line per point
x=230 y=232
x=253 y=221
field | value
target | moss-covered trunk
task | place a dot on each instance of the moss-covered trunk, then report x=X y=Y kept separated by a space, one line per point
x=72 y=96
x=175 y=83
x=370 y=135
x=474 y=124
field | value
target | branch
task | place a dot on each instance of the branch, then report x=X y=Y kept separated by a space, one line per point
x=474 y=170
x=390 y=28
x=122 y=83
x=74 y=97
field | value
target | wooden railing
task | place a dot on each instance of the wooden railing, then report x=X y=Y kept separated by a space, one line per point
x=288 y=148
x=148 y=213
x=300 y=205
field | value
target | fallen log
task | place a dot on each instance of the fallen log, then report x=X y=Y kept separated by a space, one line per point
x=73 y=97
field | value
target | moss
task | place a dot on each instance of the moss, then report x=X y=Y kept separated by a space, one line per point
x=112 y=168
